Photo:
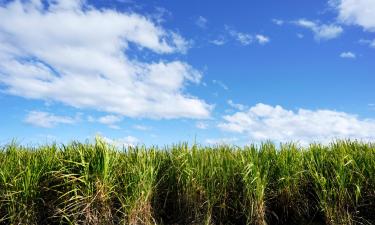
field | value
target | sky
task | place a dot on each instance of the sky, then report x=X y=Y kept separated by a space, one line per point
x=208 y=72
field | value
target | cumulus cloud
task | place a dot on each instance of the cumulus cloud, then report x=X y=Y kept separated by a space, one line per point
x=73 y=53
x=265 y=122
x=321 y=31
x=48 y=120
x=356 y=12
x=348 y=55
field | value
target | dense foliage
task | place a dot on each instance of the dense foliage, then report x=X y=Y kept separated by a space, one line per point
x=259 y=184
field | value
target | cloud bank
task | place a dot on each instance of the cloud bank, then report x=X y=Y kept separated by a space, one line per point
x=265 y=122
x=70 y=52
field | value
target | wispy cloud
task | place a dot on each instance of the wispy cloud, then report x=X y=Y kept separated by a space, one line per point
x=110 y=120
x=141 y=127
x=262 y=39
x=201 y=125
x=370 y=43
x=321 y=31
x=246 y=39
x=278 y=21
x=237 y=106
x=221 y=84
x=161 y=14
x=219 y=41
x=128 y=141
x=243 y=38
x=201 y=22
x=221 y=141
x=264 y=122
x=48 y=120
x=371 y=106
x=348 y=55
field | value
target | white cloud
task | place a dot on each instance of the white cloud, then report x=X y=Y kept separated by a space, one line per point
x=221 y=84
x=306 y=23
x=356 y=12
x=80 y=57
x=160 y=14
x=264 y=122
x=201 y=125
x=48 y=120
x=321 y=31
x=246 y=38
x=262 y=39
x=109 y=119
x=141 y=127
x=243 y=38
x=237 y=106
x=201 y=22
x=349 y=55
x=370 y=43
x=128 y=141
x=127 y=1
x=300 y=36
x=220 y=141
x=219 y=41
x=278 y=22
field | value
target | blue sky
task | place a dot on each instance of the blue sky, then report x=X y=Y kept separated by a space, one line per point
x=162 y=72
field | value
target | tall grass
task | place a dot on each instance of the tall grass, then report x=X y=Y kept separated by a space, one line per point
x=95 y=183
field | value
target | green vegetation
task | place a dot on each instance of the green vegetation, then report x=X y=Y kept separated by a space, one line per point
x=98 y=184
